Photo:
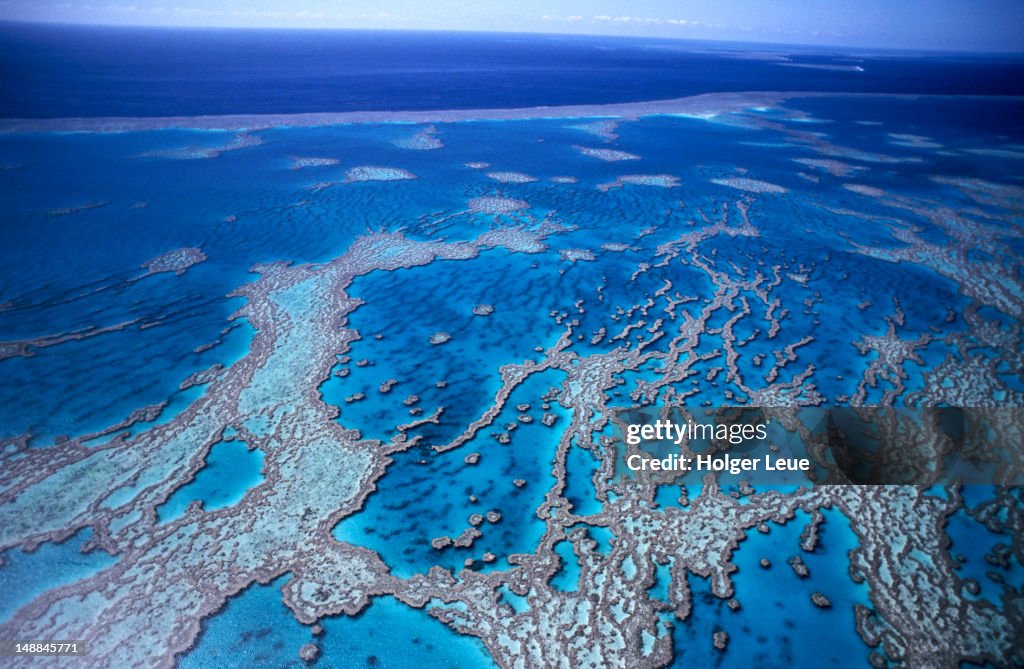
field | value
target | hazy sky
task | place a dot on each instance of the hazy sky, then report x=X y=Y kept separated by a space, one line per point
x=972 y=25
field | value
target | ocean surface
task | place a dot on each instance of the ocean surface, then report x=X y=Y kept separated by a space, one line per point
x=81 y=213
x=63 y=71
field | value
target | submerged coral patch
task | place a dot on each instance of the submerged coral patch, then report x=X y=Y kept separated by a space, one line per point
x=302 y=163
x=511 y=177
x=426 y=139
x=497 y=205
x=365 y=173
x=607 y=155
x=657 y=180
x=750 y=185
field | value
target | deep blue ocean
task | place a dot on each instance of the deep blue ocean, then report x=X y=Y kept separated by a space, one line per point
x=63 y=71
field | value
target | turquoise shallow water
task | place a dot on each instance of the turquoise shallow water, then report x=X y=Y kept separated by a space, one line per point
x=256 y=629
x=427 y=495
x=248 y=206
x=405 y=308
x=192 y=202
x=231 y=469
x=777 y=624
x=972 y=541
x=25 y=576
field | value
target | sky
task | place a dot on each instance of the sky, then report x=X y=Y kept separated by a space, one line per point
x=957 y=25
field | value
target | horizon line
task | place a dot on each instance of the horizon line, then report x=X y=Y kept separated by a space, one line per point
x=767 y=45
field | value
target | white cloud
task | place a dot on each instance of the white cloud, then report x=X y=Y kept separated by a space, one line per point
x=556 y=17
x=644 y=20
